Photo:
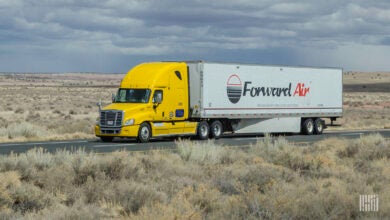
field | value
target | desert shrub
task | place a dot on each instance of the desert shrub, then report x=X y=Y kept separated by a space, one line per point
x=19 y=110
x=8 y=182
x=114 y=165
x=309 y=200
x=179 y=207
x=269 y=148
x=85 y=167
x=372 y=147
x=23 y=129
x=133 y=196
x=30 y=163
x=28 y=198
x=365 y=150
x=205 y=198
x=96 y=189
x=56 y=111
x=32 y=116
x=261 y=176
x=70 y=126
x=56 y=179
x=225 y=183
x=348 y=151
x=200 y=152
x=78 y=211
x=273 y=179
x=279 y=151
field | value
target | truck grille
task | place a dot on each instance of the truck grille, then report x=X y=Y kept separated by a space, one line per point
x=111 y=122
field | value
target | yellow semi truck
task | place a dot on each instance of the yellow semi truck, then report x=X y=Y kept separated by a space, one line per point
x=207 y=99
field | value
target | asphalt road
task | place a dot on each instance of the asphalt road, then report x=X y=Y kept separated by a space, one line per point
x=367 y=87
x=96 y=145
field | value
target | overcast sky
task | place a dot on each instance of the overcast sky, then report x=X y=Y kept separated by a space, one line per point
x=115 y=35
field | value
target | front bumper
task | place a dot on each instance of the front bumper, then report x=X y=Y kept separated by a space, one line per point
x=125 y=131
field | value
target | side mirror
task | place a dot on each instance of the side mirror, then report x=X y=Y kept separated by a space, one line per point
x=113 y=96
x=99 y=104
x=157 y=98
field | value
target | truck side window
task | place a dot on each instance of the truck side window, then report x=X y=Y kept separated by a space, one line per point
x=158 y=96
x=121 y=97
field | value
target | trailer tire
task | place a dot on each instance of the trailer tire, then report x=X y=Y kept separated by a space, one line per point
x=308 y=126
x=203 y=130
x=318 y=126
x=106 y=139
x=144 y=132
x=216 y=129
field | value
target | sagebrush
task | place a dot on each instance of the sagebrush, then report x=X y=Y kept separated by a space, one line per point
x=272 y=179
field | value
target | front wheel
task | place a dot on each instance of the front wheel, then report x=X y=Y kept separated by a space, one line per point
x=216 y=129
x=144 y=133
x=203 y=130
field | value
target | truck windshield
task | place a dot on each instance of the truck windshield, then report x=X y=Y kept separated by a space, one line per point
x=133 y=96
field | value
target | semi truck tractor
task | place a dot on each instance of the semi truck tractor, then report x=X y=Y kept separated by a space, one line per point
x=207 y=99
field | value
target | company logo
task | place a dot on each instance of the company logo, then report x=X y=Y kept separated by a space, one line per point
x=234 y=88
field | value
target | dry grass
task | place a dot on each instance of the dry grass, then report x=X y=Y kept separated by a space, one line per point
x=63 y=106
x=365 y=111
x=354 y=77
x=52 y=106
x=272 y=179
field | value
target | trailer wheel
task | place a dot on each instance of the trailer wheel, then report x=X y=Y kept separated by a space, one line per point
x=144 y=133
x=106 y=139
x=308 y=126
x=203 y=130
x=216 y=129
x=318 y=126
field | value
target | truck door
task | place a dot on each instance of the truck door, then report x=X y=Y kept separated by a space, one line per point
x=160 y=127
x=159 y=106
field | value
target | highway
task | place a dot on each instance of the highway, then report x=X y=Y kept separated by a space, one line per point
x=95 y=145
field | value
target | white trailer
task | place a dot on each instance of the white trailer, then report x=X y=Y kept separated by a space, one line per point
x=243 y=98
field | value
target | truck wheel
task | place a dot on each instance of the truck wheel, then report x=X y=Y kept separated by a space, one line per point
x=203 y=130
x=144 y=133
x=318 y=126
x=106 y=139
x=216 y=129
x=308 y=126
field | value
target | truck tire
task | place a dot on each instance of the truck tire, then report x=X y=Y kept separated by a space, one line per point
x=203 y=130
x=308 y=126
x=216 y=129
x=318 y=126
x=106 y=139
x=144 y=133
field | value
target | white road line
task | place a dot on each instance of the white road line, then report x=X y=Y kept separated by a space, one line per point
x=112 y=145
x=41 y=143
x=245 y=139
x=357 y=130
x=352 y=134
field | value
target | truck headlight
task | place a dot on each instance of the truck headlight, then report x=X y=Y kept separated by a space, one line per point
x=129 y=122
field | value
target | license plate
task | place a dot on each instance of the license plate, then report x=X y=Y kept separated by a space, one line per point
x=110 y=122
